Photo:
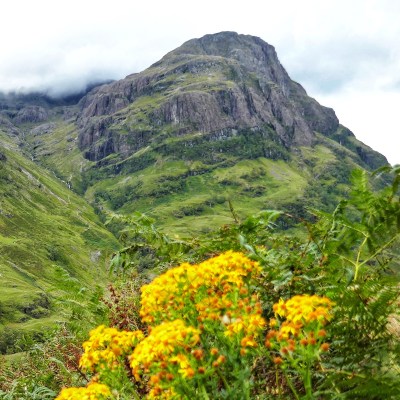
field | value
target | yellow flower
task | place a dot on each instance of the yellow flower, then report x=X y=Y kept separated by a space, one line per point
x=289 y=328
x=187 y=372
x=304 y=309
x=93 y=391
x=106 y=346
x=180 y=359
x=255 y=323
x=166 y=342
x=234 y=328
x=273 y=322
x=280 y=308
x=302 y=317
x=248 y=342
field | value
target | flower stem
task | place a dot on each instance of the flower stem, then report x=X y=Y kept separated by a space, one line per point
x=290 y=384
x=277 y=381
x=204 y=392
x=307 y=382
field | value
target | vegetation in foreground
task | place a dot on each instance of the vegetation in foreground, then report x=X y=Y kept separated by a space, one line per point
x=246 y=313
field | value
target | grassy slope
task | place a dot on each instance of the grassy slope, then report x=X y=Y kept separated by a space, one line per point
x=45 y=231
x=200 y=202
x=57 y=150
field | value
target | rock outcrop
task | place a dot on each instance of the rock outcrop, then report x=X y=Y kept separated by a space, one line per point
x=3 y=157
x=31 y=114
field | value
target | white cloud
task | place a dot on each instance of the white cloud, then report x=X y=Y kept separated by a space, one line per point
x=372 y=116
x=346 y=54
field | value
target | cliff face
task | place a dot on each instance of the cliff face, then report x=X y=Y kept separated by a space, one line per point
x=215 y=85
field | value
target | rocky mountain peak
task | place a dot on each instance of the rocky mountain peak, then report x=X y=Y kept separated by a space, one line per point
x=251 y=52
x=216 y=85
x=228 y=45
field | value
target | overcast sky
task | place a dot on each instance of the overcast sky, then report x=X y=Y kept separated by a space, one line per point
x=345 y=53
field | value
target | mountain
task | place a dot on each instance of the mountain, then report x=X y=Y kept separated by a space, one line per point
x=211 y=85
x=217 y=119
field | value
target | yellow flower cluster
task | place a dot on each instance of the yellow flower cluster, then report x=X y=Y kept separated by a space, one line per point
x=301 y=330
x=94 y=391
x=164 y=353
x=188 y=309
x=304 y=309
x=215 y=290
x=162 y=344
x=106 y=346
x=213 y=295
x=187 y=284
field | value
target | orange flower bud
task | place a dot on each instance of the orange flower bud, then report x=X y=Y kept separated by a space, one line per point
x=271 y=334
x=226 y=288
x=278 y=360
x=221 y=359
x=268 y=344
x=198 y=354
x=214 y=351
x=157 y=391
x=154 y=379
x=324 y=347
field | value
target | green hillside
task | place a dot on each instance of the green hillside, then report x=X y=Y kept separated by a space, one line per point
x=188 y=193
x=47 y=233
x=192 y=196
